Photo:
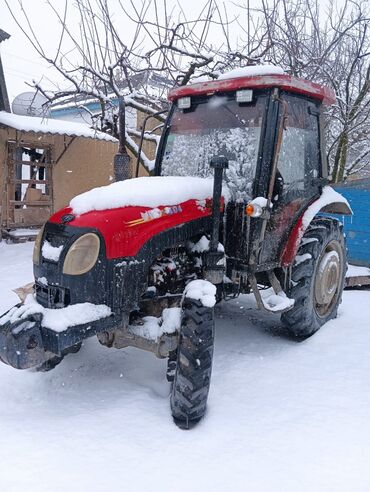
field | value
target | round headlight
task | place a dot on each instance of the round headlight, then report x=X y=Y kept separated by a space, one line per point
x=37 y=246
x=82 y=255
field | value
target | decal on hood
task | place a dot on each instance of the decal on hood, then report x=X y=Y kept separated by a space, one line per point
x=155 y=213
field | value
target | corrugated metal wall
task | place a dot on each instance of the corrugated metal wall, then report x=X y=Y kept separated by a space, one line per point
x=357 y=227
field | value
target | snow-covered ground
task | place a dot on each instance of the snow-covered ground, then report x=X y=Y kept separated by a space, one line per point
x=282 y=416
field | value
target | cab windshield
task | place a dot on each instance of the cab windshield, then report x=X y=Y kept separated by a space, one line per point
x=216 y=126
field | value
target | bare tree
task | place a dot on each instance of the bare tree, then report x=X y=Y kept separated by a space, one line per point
x=330 y=47
x=96 y=62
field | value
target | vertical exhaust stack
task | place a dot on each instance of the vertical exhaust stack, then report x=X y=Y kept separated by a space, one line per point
x=122 y=161
x=214 y=260
x=219 y=164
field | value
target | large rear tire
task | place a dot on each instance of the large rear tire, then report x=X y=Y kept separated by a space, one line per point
x=193 y=365
x=317 y=280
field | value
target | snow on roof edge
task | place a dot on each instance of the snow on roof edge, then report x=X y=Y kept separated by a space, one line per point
x=252 y=71
x=51 y=126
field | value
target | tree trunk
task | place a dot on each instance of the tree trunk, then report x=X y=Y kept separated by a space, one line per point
x=340 y=158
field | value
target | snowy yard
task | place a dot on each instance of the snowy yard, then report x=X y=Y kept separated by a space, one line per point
x=282 y=416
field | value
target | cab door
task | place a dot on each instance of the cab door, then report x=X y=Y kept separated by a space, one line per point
x=298 y=178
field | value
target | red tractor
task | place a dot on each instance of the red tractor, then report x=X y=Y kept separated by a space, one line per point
x=237 y=204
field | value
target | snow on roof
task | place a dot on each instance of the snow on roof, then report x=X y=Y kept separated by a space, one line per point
x=251 y=71
x=145 y=192
x=48 y=125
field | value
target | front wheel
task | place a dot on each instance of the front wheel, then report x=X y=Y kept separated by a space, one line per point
x=317 y=280
x=192 y=375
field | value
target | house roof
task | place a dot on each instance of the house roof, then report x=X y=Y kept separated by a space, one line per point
x=154 y=84
x=3 y=35
x=51 y=126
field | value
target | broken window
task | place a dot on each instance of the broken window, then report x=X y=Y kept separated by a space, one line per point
x=28 y=184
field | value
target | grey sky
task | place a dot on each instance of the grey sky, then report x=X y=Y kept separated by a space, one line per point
x=22 y=63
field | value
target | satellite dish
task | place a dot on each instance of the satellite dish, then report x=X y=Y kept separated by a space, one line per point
x=31 y=104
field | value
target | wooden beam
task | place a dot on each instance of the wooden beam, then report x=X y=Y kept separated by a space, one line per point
x=4 y=100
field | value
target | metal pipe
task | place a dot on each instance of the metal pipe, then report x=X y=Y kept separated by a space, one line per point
x=218 y=164
x=142 y=137
x=122 y=125
x=122 y=161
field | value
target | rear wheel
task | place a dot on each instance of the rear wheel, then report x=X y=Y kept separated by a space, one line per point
x=317 y=280
x=192 y=374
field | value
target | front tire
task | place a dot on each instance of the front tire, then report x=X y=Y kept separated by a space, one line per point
x=317 y=279
x=194 y=364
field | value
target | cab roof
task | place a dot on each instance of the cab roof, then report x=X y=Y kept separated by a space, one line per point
x=282 y=81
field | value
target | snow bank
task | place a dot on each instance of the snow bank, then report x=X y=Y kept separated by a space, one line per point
x=48 y=125
x=58 y=319
x=50 y=252
x=23 y=232
x=203 y=291
x=357 y=271
x=302 y=409
x=146 y=192
x=252 y=71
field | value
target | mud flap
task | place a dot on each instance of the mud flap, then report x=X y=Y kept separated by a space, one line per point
x=21 y=343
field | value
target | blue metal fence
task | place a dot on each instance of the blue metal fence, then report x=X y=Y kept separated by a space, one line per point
x=357 y=227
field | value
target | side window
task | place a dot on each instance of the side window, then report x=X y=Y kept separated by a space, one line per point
x=299 y=159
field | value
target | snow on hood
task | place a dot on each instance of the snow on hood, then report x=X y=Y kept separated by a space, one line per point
x=49 y=125
x=252 y=71
x=145 y=192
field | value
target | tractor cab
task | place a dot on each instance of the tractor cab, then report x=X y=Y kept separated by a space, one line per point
x=269 y=128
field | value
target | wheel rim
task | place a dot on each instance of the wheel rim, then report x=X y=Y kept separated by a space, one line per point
x=328 y=278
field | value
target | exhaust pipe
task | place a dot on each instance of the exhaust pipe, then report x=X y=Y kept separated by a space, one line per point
x=213 y=261
x=218 y=164
x=122 y=161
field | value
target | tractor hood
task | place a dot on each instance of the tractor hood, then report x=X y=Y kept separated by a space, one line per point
x=128 y=213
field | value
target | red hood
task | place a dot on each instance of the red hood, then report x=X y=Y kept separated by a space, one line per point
x=127 y=229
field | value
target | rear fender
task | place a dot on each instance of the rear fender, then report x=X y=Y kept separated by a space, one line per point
x=330 y=202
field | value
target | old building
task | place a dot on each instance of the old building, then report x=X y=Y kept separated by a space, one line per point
x=4 y=101
x=45 y=163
